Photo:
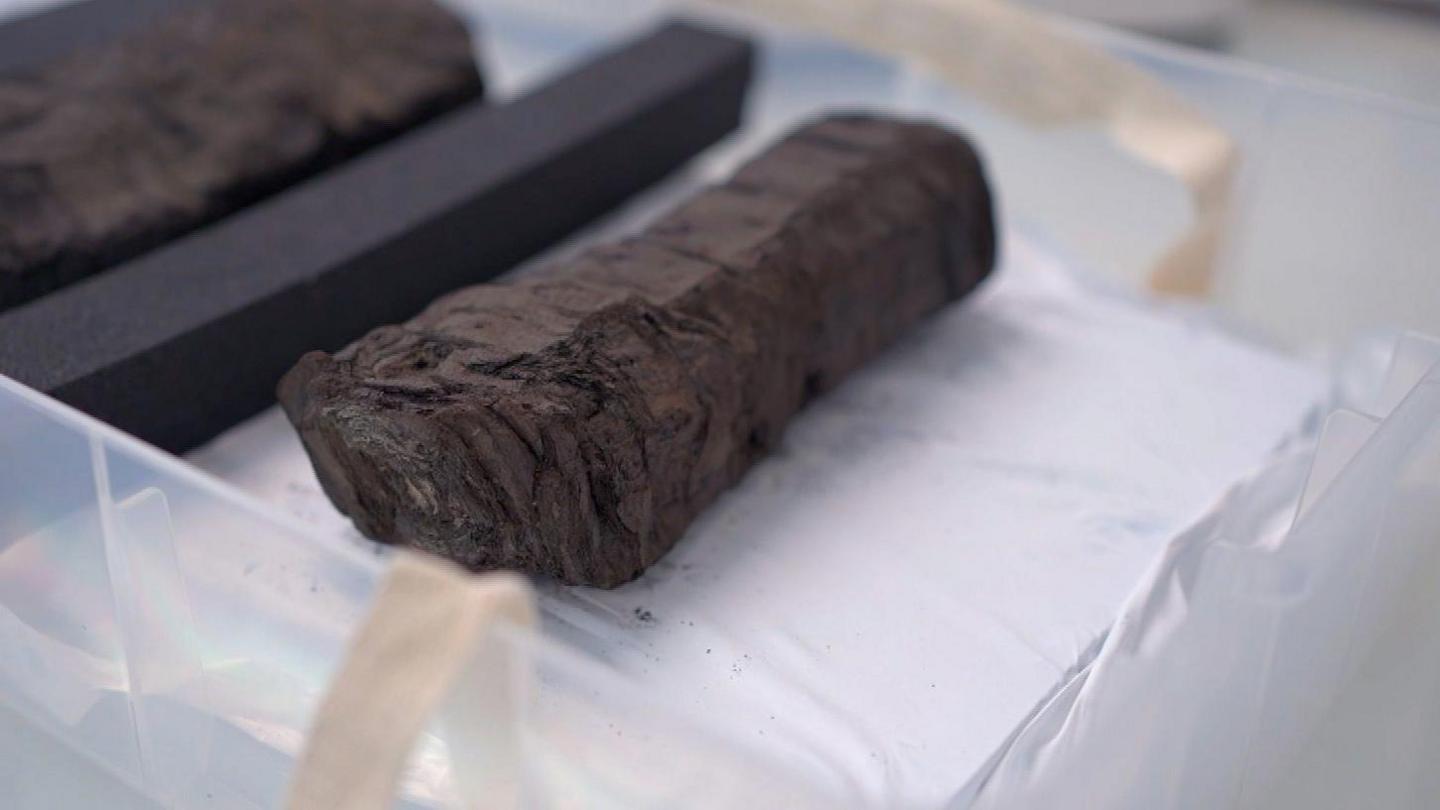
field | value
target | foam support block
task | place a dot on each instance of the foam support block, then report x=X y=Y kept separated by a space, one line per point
x=182 y=343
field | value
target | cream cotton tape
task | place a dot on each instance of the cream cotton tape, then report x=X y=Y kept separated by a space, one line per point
x=1013 y=60
x=428 y=619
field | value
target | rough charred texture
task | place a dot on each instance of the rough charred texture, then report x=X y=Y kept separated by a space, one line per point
x=111 y=149
x=574 y=423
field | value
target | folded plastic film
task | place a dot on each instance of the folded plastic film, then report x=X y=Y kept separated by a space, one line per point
x=1014 y=60
x=153 y=625
x=1265 y=663
x=93 y=614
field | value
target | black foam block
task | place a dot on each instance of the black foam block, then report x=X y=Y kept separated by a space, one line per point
x=184 y=342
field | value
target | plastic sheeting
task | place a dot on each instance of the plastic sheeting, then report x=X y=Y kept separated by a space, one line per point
x=1283 y=653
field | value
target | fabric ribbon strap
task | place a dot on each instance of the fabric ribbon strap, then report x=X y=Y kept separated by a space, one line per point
x=423 y=631
x=1016 y=62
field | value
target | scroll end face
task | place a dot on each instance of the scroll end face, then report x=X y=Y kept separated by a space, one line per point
x=299 y=400
x=984 y=237
x=976 y=251
x=293 y=390
x=956 y=173
x=974 y=228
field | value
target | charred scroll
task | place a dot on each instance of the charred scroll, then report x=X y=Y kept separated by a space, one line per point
x=574 y=423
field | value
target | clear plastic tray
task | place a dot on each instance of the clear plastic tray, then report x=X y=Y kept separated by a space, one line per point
x=165 y=642
x=141 y=601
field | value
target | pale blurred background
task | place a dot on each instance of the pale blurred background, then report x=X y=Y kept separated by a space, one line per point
x=1392 y=48
x=1336 y=217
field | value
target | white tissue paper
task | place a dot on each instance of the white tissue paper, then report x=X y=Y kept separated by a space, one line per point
x=1284 y=652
